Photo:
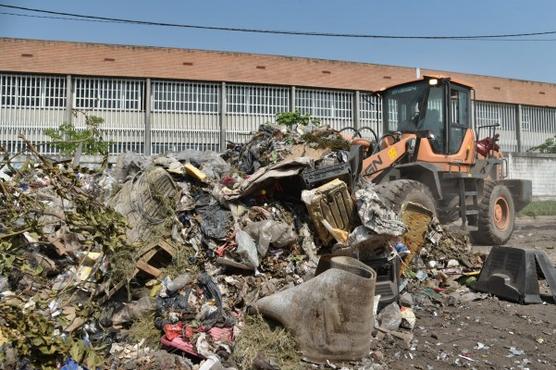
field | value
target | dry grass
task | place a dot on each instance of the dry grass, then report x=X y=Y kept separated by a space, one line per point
x=181 y=262
x=143 y=328
x=257 y=337
x=327 y=139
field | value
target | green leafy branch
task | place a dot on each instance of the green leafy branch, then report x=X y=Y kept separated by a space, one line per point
x=549 y=146
x=291 y=119
x=69 y=140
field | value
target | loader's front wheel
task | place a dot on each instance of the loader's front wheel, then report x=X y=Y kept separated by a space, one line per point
x=413 y=202
x=398 y=193
x=496 y=215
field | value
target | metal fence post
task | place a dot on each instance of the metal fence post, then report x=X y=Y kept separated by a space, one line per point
x=474 y=116
x=356 y=109
x=222 y=137
x=518 y=124
x=292 y=99
x=148 y=138
x=69 y=99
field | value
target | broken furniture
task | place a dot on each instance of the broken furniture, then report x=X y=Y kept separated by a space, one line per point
x=151 y=258
x=158 y=250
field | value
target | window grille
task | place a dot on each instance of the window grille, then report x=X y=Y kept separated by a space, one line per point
x=108 y=94
x=183 y=97
x=257 y=100
x=325 y=103
x=33 y=91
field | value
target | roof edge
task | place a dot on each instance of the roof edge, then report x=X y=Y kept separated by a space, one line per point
x=229 y=52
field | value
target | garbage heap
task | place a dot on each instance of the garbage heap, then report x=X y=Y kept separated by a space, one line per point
x=176 y=260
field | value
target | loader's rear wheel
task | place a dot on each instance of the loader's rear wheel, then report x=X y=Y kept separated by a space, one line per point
x=398 y=193
x=496 y=215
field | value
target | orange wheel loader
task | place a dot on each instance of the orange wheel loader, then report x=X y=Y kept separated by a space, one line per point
x=431 y=155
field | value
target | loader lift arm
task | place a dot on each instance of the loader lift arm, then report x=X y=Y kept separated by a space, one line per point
x=385 y=158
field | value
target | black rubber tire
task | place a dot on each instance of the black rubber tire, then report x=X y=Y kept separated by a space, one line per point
x=398 y=193
x=448 y=211
x=489 y=233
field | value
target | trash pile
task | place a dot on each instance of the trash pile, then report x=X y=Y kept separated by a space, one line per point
x=172 y=261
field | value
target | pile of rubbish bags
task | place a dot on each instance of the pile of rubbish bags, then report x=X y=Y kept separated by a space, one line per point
x=173 y=261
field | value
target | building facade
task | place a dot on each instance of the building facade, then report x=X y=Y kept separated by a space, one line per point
x=160 y=99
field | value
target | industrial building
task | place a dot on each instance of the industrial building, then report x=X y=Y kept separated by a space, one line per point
x=156 y=99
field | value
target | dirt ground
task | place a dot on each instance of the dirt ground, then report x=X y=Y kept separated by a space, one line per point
x=533 y=233
x=489 y=333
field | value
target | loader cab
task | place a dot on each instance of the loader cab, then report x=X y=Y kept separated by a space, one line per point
x=433 y=108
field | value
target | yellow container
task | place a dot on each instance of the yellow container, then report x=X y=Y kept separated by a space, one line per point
x=331 y=202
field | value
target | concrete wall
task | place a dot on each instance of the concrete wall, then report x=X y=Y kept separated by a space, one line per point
x=541 y=168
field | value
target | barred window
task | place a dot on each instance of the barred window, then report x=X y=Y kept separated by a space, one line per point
x=109 y=94
x=325 y=103
x=32 y=91
x=259 y=100
x=537 y=119
x=370 y=107
x=487 y=114
x=181 y=97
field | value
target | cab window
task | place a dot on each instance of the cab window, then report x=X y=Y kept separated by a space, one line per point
x=434 y=118
x=459 y=118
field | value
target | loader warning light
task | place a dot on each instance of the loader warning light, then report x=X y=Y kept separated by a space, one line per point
x=392 y=153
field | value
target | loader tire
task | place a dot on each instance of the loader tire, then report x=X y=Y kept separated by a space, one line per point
x=496 y=215
x=398 y=193
x=448 y=210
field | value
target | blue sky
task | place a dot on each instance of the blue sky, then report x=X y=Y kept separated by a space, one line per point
x=523 y=60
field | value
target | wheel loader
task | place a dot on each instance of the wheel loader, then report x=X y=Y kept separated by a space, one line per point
x=431 y=155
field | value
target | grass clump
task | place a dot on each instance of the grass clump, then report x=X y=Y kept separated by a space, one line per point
x=182 y=262
x=257 y=337
x=327 y=139
x=144 y=328
x=539 y=208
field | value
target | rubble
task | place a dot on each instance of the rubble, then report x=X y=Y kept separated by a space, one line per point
x=164 y=261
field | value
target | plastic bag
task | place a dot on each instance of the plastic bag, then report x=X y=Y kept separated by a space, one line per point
x=247 y=249
x=215 y=221
x=268 y=232
x=390 y=317
x=375 y=215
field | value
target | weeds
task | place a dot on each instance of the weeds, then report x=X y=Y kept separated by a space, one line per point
x=257 y=338
x=144 y=328
x=539 y=208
